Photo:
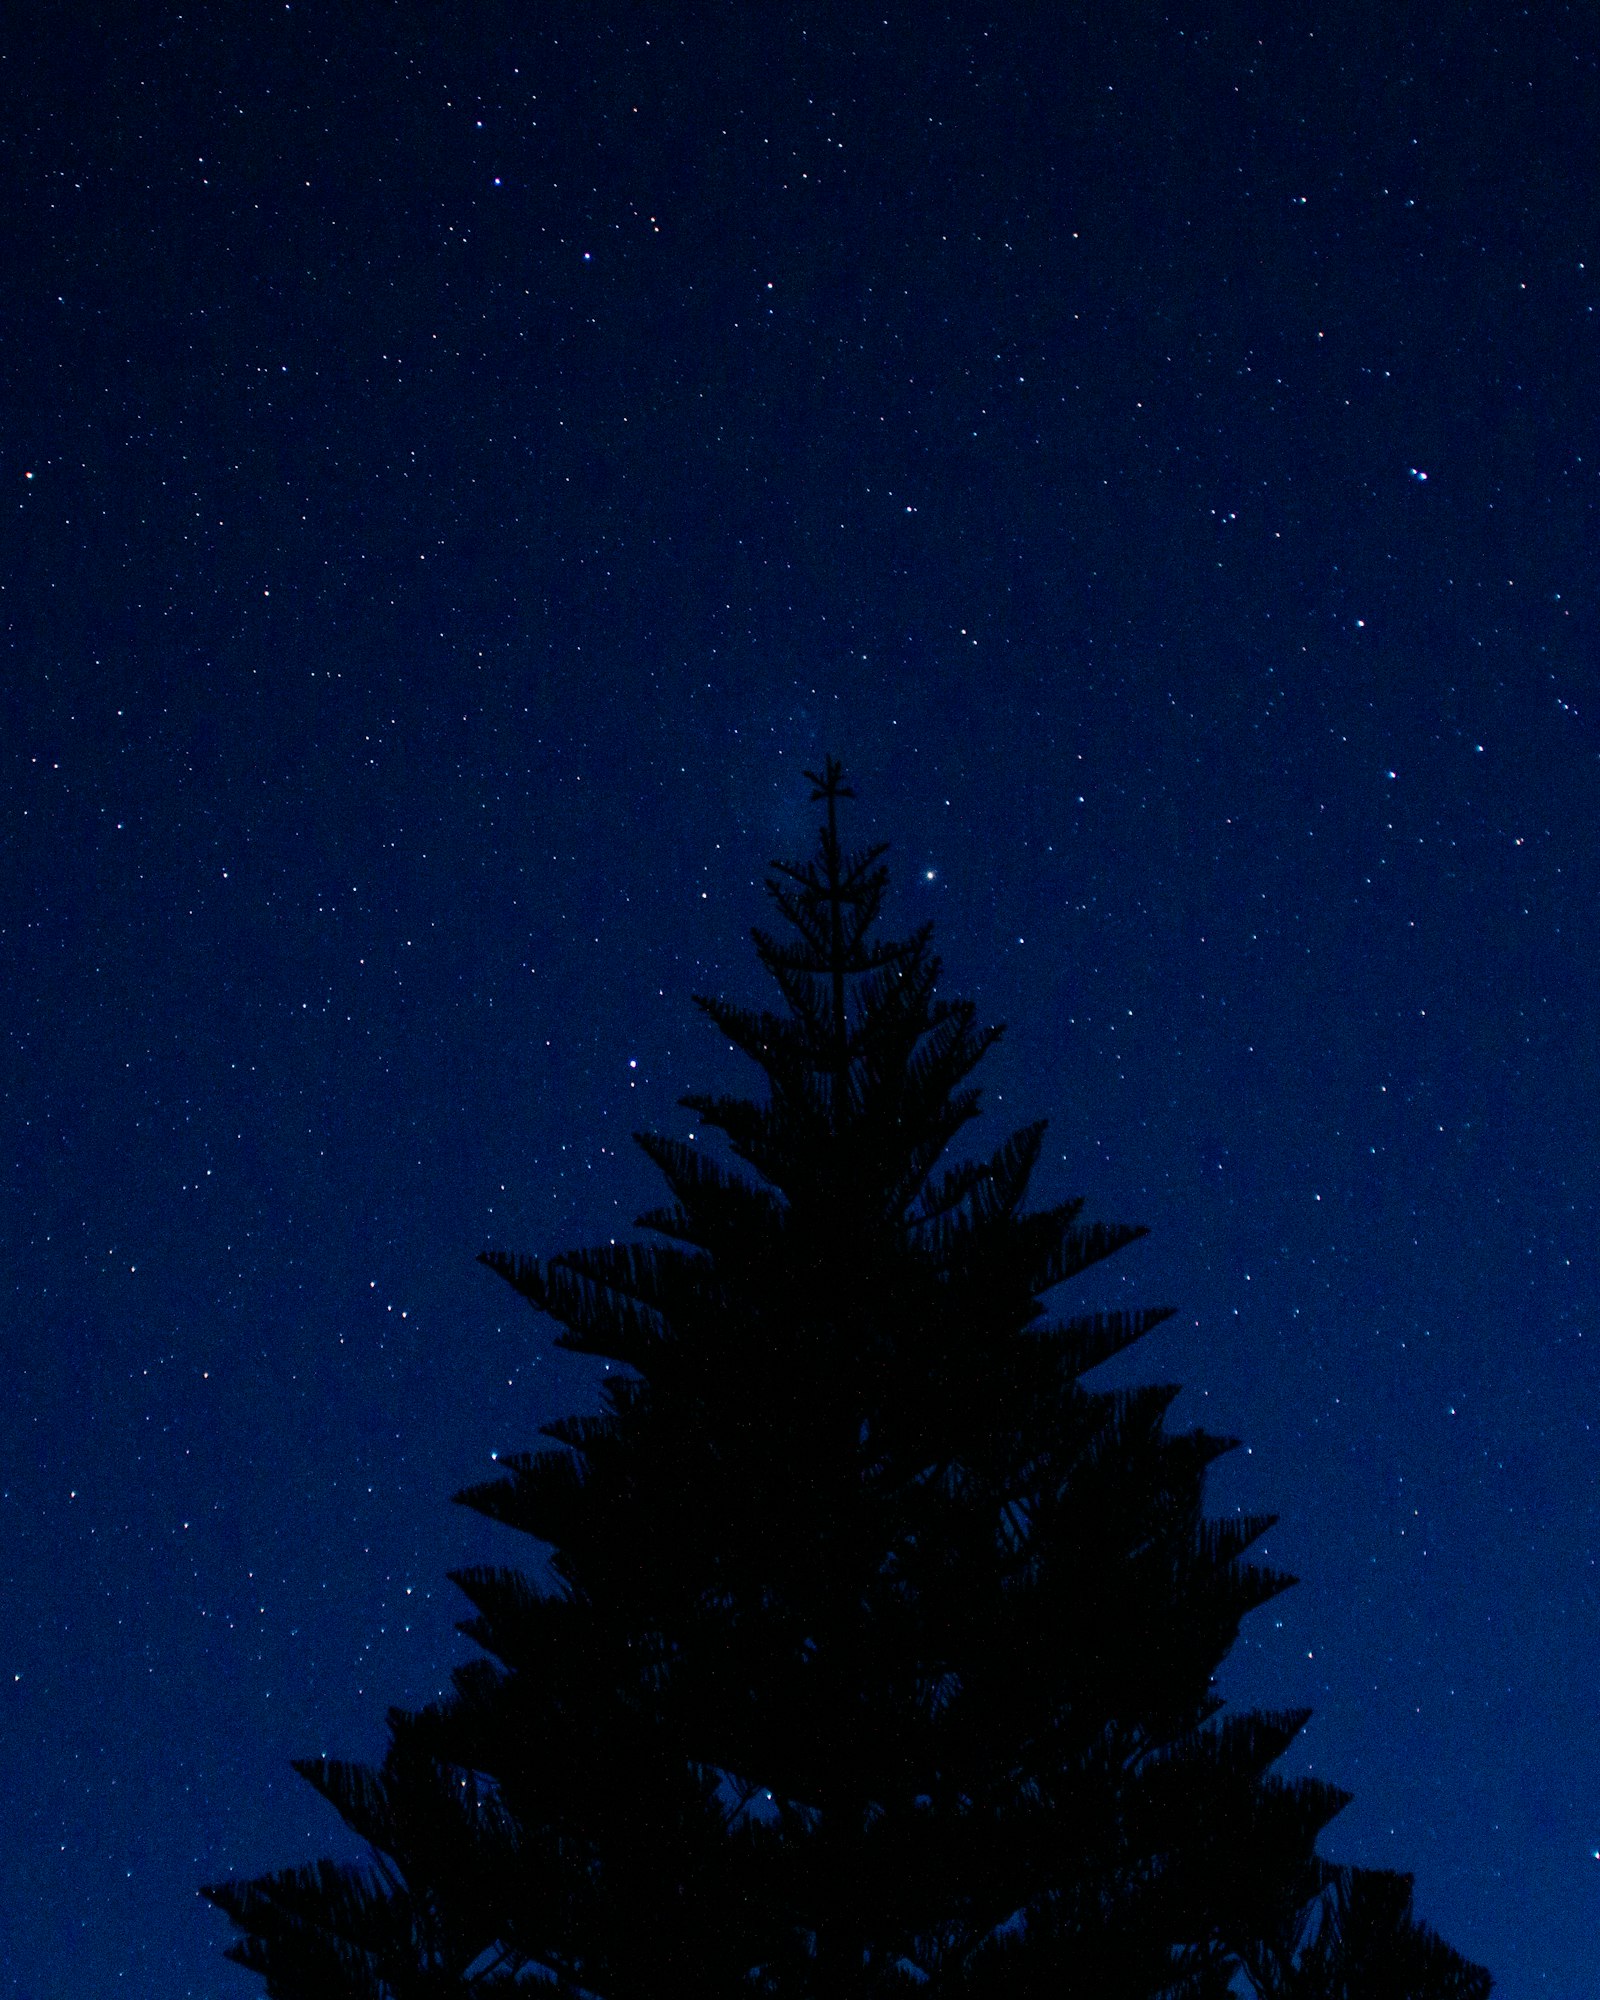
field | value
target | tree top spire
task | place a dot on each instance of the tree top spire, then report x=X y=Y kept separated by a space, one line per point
x=830 y=785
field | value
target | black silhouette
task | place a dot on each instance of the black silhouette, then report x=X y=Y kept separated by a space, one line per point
x=882 y=1653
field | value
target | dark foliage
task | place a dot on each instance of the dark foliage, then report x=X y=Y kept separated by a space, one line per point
x=882 y=1651
x=1360 y=1941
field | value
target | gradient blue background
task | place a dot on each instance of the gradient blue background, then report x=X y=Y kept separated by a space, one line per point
x=459 y=465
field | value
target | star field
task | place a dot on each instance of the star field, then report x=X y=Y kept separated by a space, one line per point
x=460 y=468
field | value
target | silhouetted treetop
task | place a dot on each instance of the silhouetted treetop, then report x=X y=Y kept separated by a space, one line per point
x=882 y=1642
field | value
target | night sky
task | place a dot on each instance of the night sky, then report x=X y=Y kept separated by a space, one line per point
x=460 y=465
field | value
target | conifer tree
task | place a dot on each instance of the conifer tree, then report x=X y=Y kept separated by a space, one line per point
x=881 y=1646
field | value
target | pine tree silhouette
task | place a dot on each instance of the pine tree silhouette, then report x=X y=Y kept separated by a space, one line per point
x=1360 y=1941
x=881 y=1650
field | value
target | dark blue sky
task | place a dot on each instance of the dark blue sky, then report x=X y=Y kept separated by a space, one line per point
x=460 y=465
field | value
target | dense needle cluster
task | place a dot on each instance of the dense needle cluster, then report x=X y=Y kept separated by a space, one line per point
x=881 y=1648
